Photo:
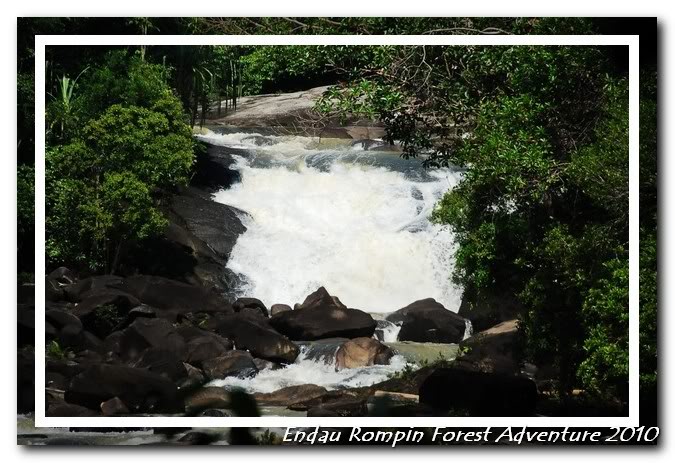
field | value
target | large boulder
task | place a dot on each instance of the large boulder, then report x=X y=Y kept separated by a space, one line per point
x=321 y=299
x=203 y=348
x=173 y=296
x=207 y=398
x=103 y=310
x=253 y=333
x=492 y=350
x=479 y=394
x=144 y=333
x=428 y=321
x=75 y=291
x=362 y=352
x=279 y=308
x=234 y=363
x=323 y=316
x=250 y=303
x=141 y=391
x=162 y=362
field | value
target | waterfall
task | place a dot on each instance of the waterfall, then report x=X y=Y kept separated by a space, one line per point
x=354 y=221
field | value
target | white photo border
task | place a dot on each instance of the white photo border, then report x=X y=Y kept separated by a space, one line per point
x=632 y=41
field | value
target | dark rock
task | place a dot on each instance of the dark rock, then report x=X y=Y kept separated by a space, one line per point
x=173 y=296
x=60 y=318
x=216 y=412
x=250 y=302
x=291 y=394
x=207 y=398
x=25 y=318
x=258 y=337
x=492 y=350
x=203 y=348
x=262 y=364
x=362 y=352
x=102 y=310
x=144 y=333
x=428 y=321
x=197 y=438
x=70 y=410
x=163 y=363
x=75 y=291
x=53 y=290
x=322 y=322
x=478 y=393
x=113 y=407
x=321 y=299
x=233 y=363
x=25 y=366
x=279 y=308
x=63 y=276
x=194 y=379
x=142 y=391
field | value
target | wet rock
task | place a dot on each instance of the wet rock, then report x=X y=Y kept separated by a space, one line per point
x=428 y=321
x=362 y=352
x=479 y=394
x=142 y=391
x=257 y=336
x=53 y=290
x=25 y=325
x=233 y=363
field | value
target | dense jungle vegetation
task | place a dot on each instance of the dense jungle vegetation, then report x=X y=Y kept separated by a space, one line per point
x=542 y=212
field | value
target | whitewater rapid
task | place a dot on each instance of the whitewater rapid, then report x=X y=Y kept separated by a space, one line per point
x=353 y=221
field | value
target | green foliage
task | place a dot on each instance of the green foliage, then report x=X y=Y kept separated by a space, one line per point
x=105 y=319
x=104 y=184
x=25 y=197
x=54 y=351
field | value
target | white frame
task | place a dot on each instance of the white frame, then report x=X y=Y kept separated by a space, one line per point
x=41 y=41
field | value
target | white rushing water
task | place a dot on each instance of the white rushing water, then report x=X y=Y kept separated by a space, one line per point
x=354 y=221
x=313 y=371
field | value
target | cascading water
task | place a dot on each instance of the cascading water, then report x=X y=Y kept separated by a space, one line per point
x=354 y=221
x=313 y=370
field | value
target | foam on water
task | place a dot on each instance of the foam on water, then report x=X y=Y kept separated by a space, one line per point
x=354 y=221
x=313 y=371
